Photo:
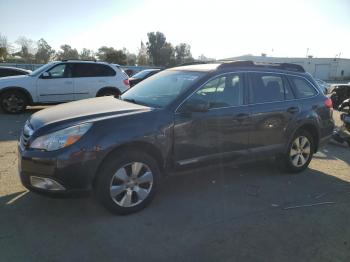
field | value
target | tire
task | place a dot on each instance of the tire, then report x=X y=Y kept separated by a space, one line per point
x=108 y=92
x=127 y=182
x=13 y=102
x=298 y=158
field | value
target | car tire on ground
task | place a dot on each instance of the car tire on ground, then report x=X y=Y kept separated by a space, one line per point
x=127 y=182
x=108 y=92
x=13 y=102
x=300 y=152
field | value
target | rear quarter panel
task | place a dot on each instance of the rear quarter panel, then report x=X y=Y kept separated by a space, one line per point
x=315 y=113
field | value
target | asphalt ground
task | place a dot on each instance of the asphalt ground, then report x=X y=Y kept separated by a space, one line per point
x=250 y=212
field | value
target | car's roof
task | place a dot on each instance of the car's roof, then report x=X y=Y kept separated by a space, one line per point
x=197 y=67
x=151 y=70
x=244 y=66
x=85 y=62
x=341 y=85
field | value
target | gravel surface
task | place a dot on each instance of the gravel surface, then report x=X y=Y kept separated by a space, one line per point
x=251 y=212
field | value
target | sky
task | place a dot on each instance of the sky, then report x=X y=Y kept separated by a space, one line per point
x=217 y=28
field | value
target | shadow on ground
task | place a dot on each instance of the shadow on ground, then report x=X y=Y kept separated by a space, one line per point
x=251 y=212
x=11 y=125
x=224 y=213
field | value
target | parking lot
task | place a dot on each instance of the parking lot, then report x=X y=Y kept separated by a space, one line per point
x=251 y=212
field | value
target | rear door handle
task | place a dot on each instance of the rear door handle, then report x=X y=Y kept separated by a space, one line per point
x=68 y=82
x=293 y=110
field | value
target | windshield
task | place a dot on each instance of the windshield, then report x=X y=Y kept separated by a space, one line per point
x=161 y=89
x=40 y=69
x=142 y=74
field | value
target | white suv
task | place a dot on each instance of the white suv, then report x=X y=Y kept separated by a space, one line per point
x=61 y=81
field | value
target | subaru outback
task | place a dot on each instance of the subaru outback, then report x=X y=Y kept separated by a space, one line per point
x=183 y=117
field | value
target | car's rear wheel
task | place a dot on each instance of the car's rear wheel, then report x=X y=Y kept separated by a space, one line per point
x=127 y=183
x=13 y=102
x=300 y=152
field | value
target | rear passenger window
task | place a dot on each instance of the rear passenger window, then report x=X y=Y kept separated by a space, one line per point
x=92 y=70
x=302 y=88
x=267 y=87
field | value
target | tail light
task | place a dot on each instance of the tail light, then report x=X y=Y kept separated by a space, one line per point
x=328 y=103
x=126 y=82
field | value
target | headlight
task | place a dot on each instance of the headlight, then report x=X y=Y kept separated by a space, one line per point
x=61 y=138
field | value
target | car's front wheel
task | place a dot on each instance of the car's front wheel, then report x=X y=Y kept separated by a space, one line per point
x=108 y=92
x=127 y=182
x=300 y=152
x=13 y=102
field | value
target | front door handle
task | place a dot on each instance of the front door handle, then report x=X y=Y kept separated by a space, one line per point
x=68 y=82
x=241 y=117
x=293 y=110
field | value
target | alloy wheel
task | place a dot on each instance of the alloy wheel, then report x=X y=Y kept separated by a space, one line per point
x=300 y=151
x=13 y=103
x=131 y=184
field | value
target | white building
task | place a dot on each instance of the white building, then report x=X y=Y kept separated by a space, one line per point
x=322 y=68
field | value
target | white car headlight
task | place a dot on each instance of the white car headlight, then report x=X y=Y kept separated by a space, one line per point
x=60 y=138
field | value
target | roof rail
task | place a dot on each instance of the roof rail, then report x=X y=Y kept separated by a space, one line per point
x=249 y=63
x=87 y=60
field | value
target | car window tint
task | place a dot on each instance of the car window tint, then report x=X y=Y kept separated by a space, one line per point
x=163 y=88
x=288 y=92
x=4 y=72
x=302 y=88
x=8 y=72
x=222 y=91
x=92 y=70
x=58 y=71
x=266 y=87
x=142 y=74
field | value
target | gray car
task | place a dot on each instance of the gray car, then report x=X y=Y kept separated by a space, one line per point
x=183 y=117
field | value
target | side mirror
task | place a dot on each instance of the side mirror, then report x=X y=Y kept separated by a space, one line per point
x=45 y=75
x=196 y=105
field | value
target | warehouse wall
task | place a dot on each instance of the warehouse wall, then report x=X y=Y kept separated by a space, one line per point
x=323 y=68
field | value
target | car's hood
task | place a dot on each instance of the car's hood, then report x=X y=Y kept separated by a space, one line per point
x=85 y=110
x=14 y=80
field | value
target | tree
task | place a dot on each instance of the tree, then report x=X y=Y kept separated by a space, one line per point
x=166 y=55
x=183 y=53
x=87 y=54
x=142 y=57
x=27 y=49
x=4 y=47
x=204 y=58
x=67 y=53
x=44 y=53
x=155 y=42
x=130 y=57
x=111 y=55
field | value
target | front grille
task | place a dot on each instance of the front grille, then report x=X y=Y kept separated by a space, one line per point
x=26 y=134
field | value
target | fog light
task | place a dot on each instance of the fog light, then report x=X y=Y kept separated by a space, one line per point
x=45 y=183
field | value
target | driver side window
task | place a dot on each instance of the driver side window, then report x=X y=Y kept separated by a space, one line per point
x=223 y=91
x=59 y=71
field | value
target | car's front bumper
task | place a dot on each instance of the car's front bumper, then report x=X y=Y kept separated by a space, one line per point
x=61 y=172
